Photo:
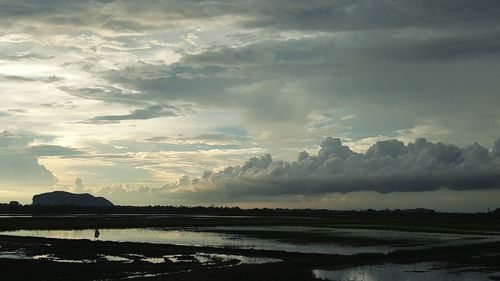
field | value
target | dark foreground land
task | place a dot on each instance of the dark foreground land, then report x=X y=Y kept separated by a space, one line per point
x=60 y=259
x=294 y=266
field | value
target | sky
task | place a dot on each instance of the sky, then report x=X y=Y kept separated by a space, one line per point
x=338 y=104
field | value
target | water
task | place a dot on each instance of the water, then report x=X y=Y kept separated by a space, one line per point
x=17 y=255
x=58 y=259
x=200 y=238
x=240 y=237
x=197 y=258
x=364 y=233
x=400 y=272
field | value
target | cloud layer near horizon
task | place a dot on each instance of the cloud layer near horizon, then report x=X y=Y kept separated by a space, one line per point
x=386 y=167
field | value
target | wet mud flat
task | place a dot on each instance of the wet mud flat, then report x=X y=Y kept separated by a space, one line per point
x=29 y=258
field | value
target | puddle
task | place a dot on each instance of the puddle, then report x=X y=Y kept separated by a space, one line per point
x=242 y=259
x=15 y=255
x=209 y=259
x=154 y=260
x=116 y=258
x=198 y=258
x=42 y=257
x=53 y=258
x=413 y=272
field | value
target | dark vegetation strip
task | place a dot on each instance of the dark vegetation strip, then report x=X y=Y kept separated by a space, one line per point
x=458 y=224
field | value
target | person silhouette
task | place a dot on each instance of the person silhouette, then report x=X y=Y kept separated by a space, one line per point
x=96 y=234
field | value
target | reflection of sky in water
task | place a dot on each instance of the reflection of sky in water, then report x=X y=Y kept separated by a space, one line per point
x=359 y=232
x=213 y=237
x=196 y=238
x=398 y=272
x=18 y=255
x=198 y=258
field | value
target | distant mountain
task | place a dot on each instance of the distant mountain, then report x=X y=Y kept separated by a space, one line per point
x=68 y=198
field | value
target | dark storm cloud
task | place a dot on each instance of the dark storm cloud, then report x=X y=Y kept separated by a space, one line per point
x=150 y=112
x=174 y=82
x=330 y=71
x=111 y=15
x=324 y=15
x=344 y=15
x=48 y=11
x=388 y=166
x=423 y=47
x=106 y=94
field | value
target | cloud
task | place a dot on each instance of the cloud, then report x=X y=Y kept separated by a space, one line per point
x=79 y=186
x=110 y=17
x=150 y=112
x=18 y=79
x=18 y=110
x=24 y=170
x=52 y=150
x=319 y=15
x=106 y=94
x=288 y=73
x=348 y=15
x=18 y=166
x=23 y=79
x=205 y=139
x=276 y=84
x=23 y=56
x=386 y=167
x=277 y=63
x=11 y=140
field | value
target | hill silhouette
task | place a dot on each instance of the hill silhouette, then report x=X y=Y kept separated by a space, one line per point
x=70 y=199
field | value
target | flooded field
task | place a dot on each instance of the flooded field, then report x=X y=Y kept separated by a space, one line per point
x=245 y=248
x=284 y=238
